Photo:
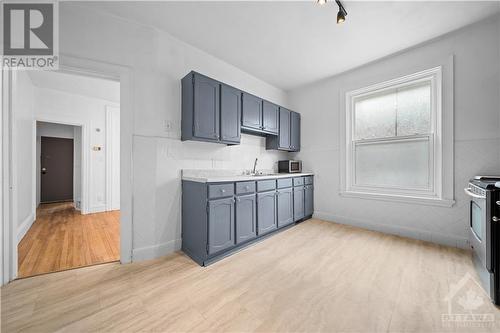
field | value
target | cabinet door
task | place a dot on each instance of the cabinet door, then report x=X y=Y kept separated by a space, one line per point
x=230 y=113
x=284 y=129
x=309 y=200
x=298 y=203
x=270 y=117
x=246 y=218
x=252 y=112
x=266 y=212
x=295 y=131
x=206 y=108
x=220 y=224
x=285 y=207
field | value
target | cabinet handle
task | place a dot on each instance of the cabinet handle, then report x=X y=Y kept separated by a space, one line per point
x=498 y=203
x=223 y=190
x=247 y=187
x=495 y=219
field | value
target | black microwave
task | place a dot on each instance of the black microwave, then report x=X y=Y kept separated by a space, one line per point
x=289 y=166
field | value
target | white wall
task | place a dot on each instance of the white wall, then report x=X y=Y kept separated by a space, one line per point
x=91 y=113
x=55 y=130
x=477 y=133
x=158 y=62
x=22 y=112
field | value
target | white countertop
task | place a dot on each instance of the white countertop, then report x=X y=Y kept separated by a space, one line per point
x=213 y=176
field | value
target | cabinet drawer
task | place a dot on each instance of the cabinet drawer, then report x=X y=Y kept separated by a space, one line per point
x=308 y=180
x=283 y=183
x=245 y=187
x=266 y=185
x=220 y=190
x=298 y=181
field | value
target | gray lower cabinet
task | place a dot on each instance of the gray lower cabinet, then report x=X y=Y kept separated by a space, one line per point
x=246 y=218
x=220 y=217
x=266 y=212
x=298 y=203
x=220 y=224
x=285 y=206
x=308 y=200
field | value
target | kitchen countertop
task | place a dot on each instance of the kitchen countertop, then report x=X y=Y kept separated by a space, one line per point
x=218 y=176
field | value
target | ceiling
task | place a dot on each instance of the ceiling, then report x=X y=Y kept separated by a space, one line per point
x=77 y=84
x=289 y=44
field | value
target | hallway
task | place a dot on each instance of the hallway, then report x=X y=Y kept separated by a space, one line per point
x=61 y=238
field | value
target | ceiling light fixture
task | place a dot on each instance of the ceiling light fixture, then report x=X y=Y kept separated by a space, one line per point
x=321 y=2
x=342 y=12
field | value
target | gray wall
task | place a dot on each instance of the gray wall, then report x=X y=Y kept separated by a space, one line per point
x=477 y=133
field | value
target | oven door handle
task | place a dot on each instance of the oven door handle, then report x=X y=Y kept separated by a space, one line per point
x=468 y=192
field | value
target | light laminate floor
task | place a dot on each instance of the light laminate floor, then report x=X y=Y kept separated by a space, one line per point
x=61 y=238
x=316 y=276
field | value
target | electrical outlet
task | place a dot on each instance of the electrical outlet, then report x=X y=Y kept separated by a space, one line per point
x=167 y=125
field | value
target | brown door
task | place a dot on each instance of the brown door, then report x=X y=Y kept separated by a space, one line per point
x=56 y=181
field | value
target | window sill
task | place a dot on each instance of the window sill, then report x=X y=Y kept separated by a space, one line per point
x=400 y=198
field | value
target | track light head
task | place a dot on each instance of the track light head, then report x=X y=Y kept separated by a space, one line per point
x=342 y=12
x=321 y=2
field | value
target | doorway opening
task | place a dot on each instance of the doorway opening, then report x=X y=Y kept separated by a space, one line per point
x=76 y=168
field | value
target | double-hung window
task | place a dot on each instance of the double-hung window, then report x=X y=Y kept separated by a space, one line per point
x=393 y=138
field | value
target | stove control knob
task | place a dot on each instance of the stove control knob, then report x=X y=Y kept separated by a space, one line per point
x=495 y=219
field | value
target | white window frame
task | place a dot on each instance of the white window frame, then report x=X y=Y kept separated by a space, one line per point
x=431 y=195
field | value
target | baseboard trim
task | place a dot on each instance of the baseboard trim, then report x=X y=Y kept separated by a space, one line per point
x=440 y=239
x=96 y=209
x=24 y=227
x=155 y=251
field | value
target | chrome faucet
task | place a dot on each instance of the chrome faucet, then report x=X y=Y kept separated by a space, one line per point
x=254 y=166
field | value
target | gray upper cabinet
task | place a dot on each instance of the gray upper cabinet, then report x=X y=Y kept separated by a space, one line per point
x=298 y=203
x=285 y=206
x=206 y=108
x=308 y=200
x=246 y=218
x=288 y=132
x=266 y=212
x=230 y=113
x=211 y=111
x=251 y=112
x=270 y=117
x=220 y=225
x=284 y=132
x=294 y=131
x=215 y=112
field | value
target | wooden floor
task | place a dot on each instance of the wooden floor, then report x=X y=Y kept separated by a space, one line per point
x=61 y=238
x=315 y=277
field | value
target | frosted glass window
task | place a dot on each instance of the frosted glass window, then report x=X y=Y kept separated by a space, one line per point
x=395 y=112
x=414 y=110
x=375 y=117
x=393 y=145
x=393 y=164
